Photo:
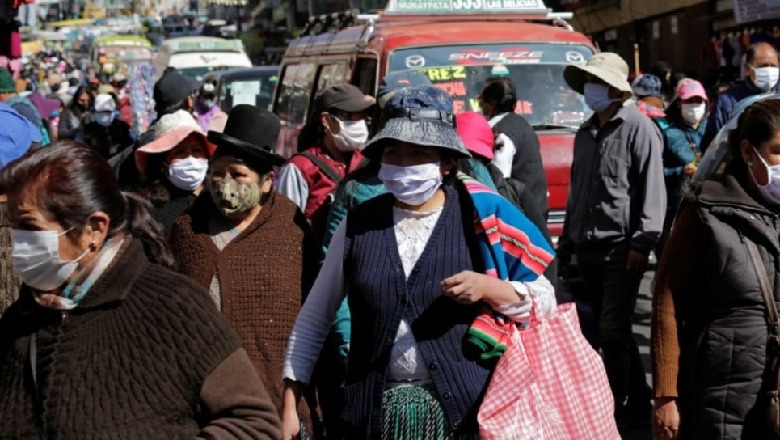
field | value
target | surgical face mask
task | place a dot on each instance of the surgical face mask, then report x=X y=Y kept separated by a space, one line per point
x=208 y=104
x=36 y=258
x=233 y=198
x=413 y=185
x=352 y=135
x=766 y=77
x=189 y=173
x=693 y=113
x=771 y=191
x=597 y=97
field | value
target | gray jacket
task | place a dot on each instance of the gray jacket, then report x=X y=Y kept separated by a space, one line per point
x=617 y=191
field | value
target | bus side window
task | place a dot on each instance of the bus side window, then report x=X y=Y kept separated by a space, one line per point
x=365 y=74
x=283 y=96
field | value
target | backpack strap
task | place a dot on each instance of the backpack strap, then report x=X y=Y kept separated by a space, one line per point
x=326 y=169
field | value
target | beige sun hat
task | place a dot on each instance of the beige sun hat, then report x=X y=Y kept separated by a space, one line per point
x=607 y=66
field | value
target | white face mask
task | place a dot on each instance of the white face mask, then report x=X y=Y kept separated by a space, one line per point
x=597 y=97
x=352 y=135
x=412 y=185
x=771 y=191
x=693 y=113
x=36 y=258
x=188 y=174
x=766 y=77
x=208 y=104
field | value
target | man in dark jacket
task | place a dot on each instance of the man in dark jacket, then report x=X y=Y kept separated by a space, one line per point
x=761 y=67
x=519 y=156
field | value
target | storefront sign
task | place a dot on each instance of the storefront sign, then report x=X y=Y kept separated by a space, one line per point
x=746 y=11
x=465 y=6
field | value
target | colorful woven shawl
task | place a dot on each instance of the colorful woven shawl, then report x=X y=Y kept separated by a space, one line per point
x=512 y=249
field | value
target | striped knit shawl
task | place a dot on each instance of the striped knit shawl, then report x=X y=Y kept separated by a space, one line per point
x=512 y=249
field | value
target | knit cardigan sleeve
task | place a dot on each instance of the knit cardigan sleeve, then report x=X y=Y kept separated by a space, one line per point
x=237 y=402
x=677 y=277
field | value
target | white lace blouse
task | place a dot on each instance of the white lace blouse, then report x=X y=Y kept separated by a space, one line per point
x=412 y=231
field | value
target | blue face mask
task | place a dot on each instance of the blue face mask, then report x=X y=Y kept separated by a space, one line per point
x=597 y=97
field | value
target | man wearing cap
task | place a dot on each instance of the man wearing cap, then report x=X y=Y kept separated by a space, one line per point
x=761 y=70
x=614 y=217
x=210 y=116
x=339 y=131
x=172 y=92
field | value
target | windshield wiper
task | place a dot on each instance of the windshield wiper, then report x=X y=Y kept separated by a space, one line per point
x=553 y=127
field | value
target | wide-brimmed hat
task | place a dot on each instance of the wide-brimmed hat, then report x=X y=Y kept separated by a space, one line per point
x=606 y=66
x=421 y=115
x=250 y=134
x=396 y=80
x=476 y=134
x=169 y=131
x=647 y=85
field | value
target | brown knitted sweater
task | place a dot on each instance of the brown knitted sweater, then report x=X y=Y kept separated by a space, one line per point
x=130 y=362
x=264 y=274
x=9 y=281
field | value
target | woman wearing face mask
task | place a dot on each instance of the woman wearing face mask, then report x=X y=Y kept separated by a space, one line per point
x=174 y=165
x=105 y=341
x=682 y=130
x=210 y=116
x=709 y=332
x=249 y=246
x=411 y=261
x=72 y=119
x=339 y=131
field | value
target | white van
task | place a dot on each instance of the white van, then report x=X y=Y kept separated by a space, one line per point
x=197 y=56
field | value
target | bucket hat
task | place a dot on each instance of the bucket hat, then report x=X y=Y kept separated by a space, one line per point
x=421 y=115
x=169 y=131
x=647 y=85
x=476 y=134
x=395 y=80
x=607 y=66
x=250 y=134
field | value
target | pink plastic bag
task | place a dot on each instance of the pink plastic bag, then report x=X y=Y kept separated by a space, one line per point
x=549 y=385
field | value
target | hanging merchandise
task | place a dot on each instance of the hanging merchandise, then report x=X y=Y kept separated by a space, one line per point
x=140 y=86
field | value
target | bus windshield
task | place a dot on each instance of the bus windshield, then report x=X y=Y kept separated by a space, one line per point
x=543 y=97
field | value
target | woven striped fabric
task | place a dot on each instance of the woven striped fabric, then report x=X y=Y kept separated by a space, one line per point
x=512 y=249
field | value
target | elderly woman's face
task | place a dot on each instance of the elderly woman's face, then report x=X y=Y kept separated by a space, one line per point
x=191 y=146
x=404 y=154
x=80 y=243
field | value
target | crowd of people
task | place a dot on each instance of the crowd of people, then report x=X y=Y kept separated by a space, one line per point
x=188 y=281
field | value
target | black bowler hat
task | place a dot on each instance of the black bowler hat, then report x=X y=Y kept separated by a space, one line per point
x=250 y=134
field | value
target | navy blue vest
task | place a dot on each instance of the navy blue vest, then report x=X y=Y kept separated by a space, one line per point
x=380 y=295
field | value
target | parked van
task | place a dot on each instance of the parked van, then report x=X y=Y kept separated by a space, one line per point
x=458 y=48
x=197 y=56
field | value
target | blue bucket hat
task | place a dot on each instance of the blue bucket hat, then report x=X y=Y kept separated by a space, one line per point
x=396 y=80
x=421 y=115
x=647 y=85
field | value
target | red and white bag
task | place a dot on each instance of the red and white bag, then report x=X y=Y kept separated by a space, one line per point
x=549 y=385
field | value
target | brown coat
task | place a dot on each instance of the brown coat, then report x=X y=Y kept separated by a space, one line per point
x=264 y=274
x=145 y=355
